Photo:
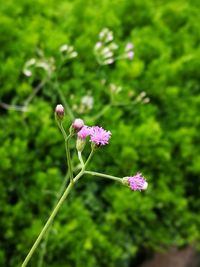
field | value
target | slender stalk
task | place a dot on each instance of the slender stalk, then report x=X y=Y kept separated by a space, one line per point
x=24 y=107
x=67 y=139
x=104 y=176
x=80 y=159
x=89 y=158
x=62 y=130
x=35 y=91
x=69 y=158
x=63 y=185
x=51 y=218
x=13 y=107
x=46 y=238
x=53 y=214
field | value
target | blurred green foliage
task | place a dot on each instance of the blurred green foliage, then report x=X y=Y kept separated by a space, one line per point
x=102 y=223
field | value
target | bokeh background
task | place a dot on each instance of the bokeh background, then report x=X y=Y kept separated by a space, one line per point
x=102 y=223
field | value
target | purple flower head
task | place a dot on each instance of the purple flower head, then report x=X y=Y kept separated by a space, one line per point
x=99 y=136
x=137 y=182
x=78 y=124
x=84 y=132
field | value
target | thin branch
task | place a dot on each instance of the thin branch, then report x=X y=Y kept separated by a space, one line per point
x=35 y=92
x=13 y=107
x=24 y=107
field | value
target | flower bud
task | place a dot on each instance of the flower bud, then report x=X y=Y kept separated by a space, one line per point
x=98 y=45
x=129 y=47
x=80 y=144
x=130 y=55
x=59 y=112
x=78 y=124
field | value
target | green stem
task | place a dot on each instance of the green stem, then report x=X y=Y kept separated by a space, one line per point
x=35 y=91
x=63 y=185
x=53 y=214
x=67 y=139
x=89 y=158
x=81 y=159
x=69 y=162
x=51 y=218
x=104 y=176
x=46 y=238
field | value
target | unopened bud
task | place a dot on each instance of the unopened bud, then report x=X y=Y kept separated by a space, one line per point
x=98 y=45
x=80 y=144
x=60 y=112
x=78 y=124
x=129 y=47
x=130 y=55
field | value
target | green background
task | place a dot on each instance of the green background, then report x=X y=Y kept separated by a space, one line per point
x=102 y=223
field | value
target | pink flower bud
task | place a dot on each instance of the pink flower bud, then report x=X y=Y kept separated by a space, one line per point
x=78 y=124
x=130 y=55
x=129 y=47
x=60 y=111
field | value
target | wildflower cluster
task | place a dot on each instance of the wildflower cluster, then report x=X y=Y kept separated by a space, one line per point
x=42 y=70
x=68 y=51
x=98 y=137
x=46 y=64
x=106 y=50
x=142 y=97
x=97 y=134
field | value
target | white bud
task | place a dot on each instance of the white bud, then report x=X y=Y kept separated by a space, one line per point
x=146 y=100
x=108 y=61
x=98 y=45
x=113 y=46
x=73 y=54
x=27 y=73
x=64 y=48
x=143 y=94
x=109 y=37
x=105 y=50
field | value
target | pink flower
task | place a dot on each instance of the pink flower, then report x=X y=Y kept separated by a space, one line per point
x=78 y=124
x=137 y=182
x=99 y=136
x=84 y=132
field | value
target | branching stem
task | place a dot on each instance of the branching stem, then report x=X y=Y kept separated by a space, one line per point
x=117 y=179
